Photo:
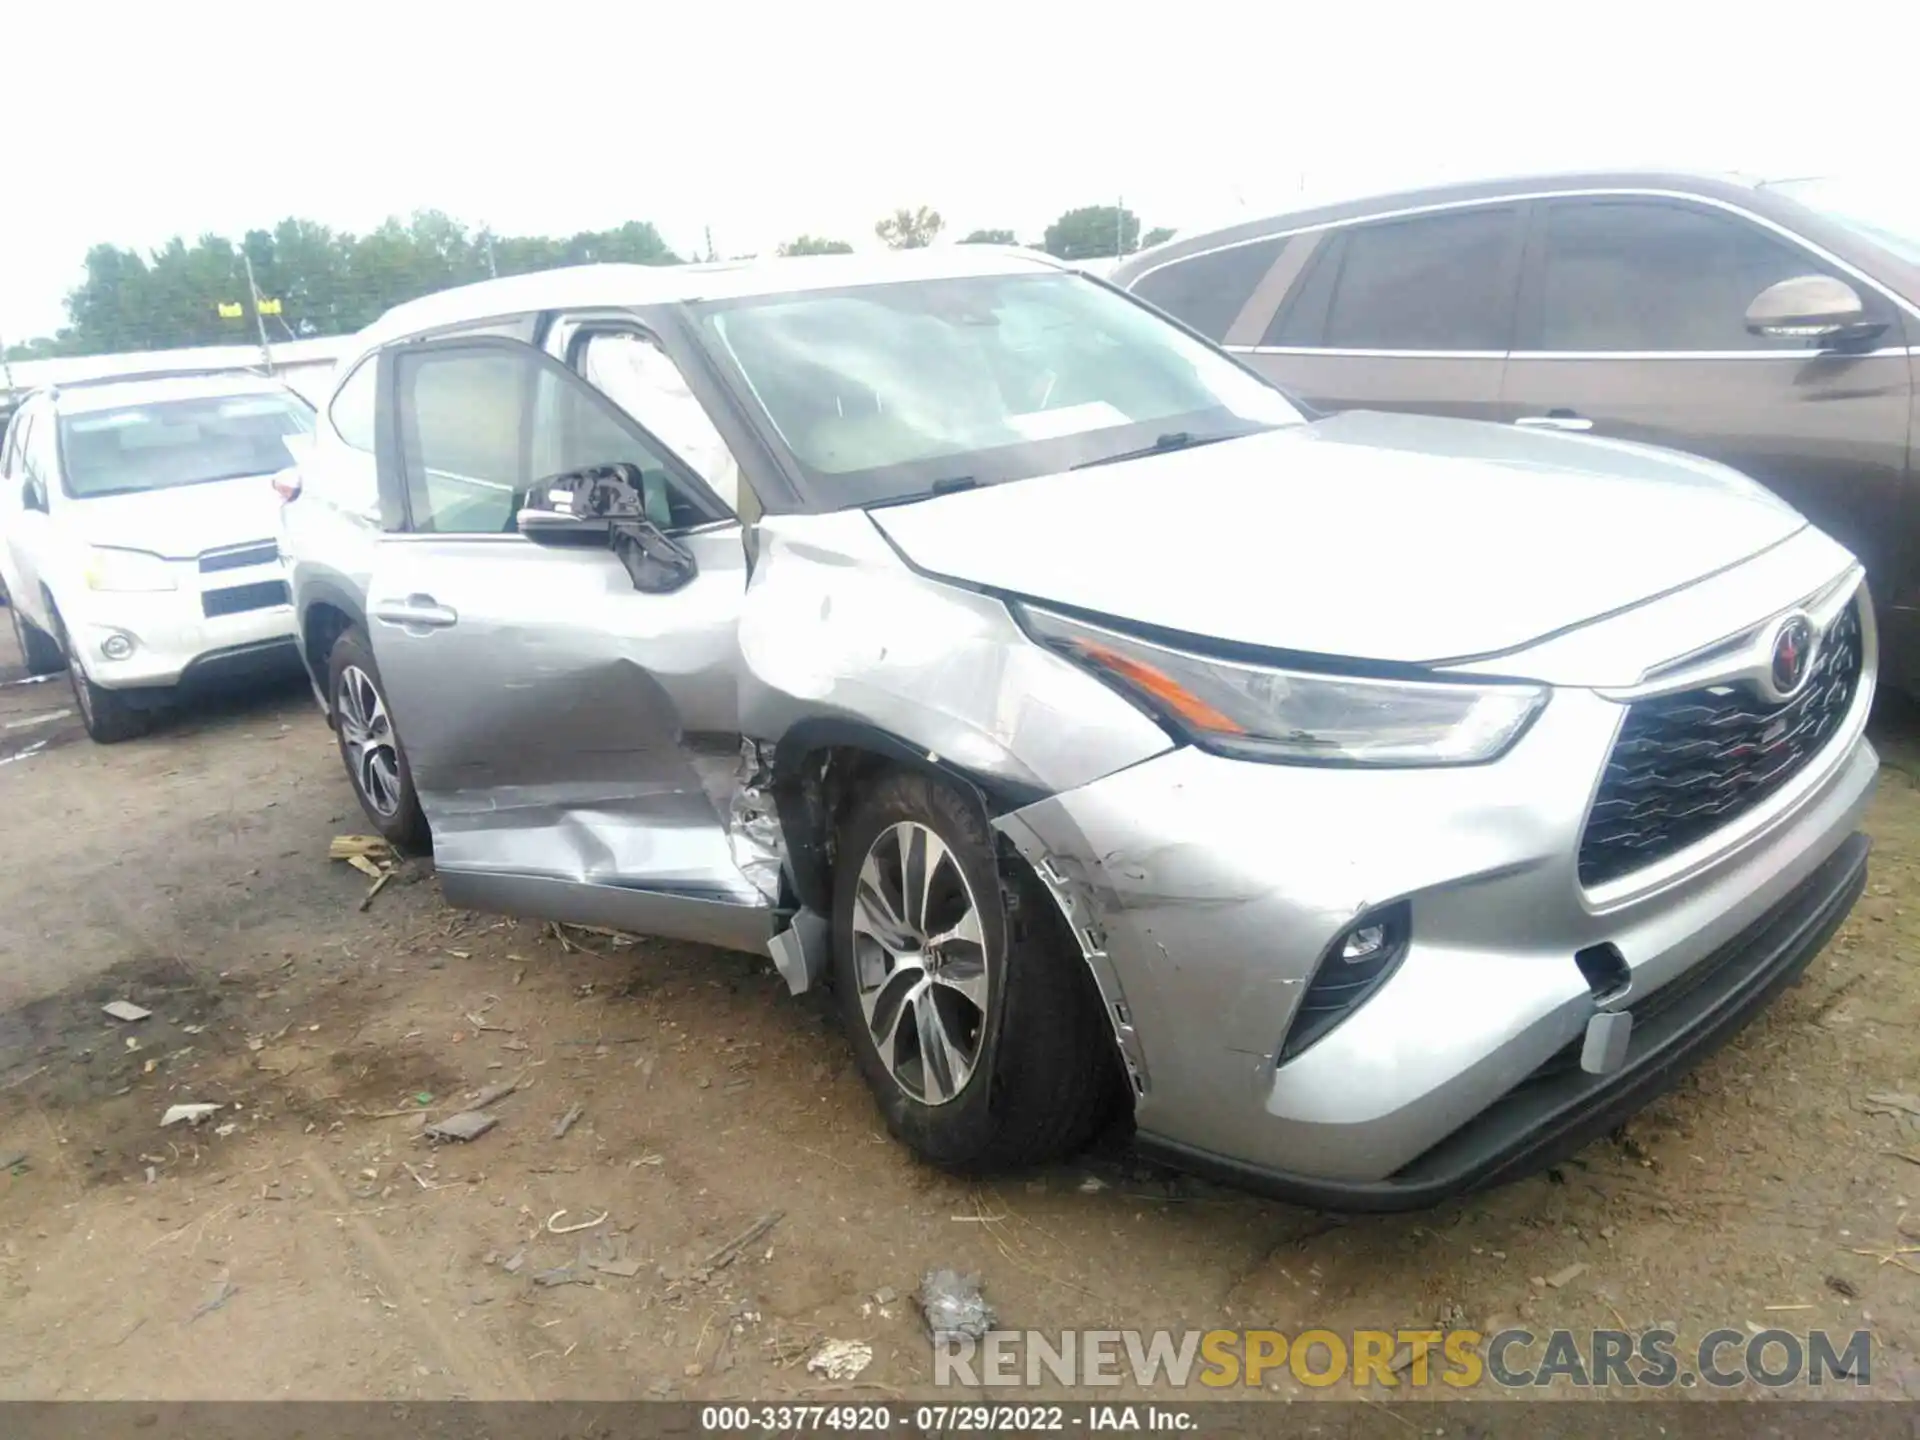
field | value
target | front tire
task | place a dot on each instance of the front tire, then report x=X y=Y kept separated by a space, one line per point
x=39 y=651
x=108 y=716
x=369 y=745
x=973 y=1020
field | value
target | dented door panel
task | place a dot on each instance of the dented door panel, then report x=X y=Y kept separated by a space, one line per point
x=565 y=728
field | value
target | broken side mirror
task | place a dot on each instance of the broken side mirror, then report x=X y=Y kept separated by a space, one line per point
x=605 y=504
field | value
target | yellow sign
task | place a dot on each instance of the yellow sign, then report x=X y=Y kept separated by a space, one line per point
x=269 y=307
x=230 y=310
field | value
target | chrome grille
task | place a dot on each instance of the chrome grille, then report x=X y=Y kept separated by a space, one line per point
x=1684 y=765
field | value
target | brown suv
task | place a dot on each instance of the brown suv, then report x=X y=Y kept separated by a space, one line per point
x=1767 y=325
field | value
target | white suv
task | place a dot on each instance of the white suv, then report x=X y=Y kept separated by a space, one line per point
x=137 y=536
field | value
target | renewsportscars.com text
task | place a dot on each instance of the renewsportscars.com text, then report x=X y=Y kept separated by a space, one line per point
x=1405 y=1359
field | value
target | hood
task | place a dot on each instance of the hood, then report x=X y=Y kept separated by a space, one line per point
x=182 y=521
x=1386 y=537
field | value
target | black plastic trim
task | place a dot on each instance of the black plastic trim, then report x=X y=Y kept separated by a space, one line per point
x=1548 y=1119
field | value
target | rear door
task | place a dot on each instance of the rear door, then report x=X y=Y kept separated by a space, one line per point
x=574 y=742
x=1413 y=313
x=1632 y=324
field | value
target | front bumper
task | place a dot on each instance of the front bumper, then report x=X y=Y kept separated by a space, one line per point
x=1204 y=891
x=1549 y=1118
x=174 y=640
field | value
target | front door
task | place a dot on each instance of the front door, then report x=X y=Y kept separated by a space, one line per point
x=574 y=741
x=1632 y=325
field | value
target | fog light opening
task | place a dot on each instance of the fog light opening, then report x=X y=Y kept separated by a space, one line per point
x=116 y=647
x=1357 y=963
x=1606 y=971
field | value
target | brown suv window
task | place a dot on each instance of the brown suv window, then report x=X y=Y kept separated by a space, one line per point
x=1653 y=275
x=1435 y=282
x=1208 y=291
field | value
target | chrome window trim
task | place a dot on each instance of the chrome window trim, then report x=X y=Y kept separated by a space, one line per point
x=1628 y=192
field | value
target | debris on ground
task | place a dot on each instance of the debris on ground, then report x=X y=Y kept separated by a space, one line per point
x=954 y=1306
x=13 y=1160
x=494 y=1094
x=192 y=1114
x=1887 y=1102
x=567 y=1121
x=729 y=1252
x=841 y=1360
x=1840 y=1285
x=223 y=1291
x=626 y=1268
x=553 y=1229
x=467 y=1125
x=561 y=1275
x=125 y=1010
x=514 y=1261
x=370 y=848
x=371 y=856
x=1563 y=1277
x=1092 y=1185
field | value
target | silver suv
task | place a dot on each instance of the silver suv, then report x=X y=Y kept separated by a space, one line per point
x=1377 y=807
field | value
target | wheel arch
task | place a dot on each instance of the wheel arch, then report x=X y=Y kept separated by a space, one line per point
x=817 y=766
x=326 y=613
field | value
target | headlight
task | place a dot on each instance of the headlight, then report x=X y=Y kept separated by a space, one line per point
x=127 y=570
x=1257 y=712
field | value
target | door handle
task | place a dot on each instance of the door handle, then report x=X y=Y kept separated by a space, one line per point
x=416 y=612
x=1556 y=420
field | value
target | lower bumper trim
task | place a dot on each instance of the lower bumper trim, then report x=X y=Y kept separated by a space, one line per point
x=1549 y=1118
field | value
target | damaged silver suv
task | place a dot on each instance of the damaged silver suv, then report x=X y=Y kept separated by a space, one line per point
x=1377 y=806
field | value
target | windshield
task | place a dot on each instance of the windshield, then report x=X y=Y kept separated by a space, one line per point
x=1888 y=214
x=885 y=392
x=178 y=442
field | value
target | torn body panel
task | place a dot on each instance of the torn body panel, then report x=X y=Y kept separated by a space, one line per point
x=835 y=626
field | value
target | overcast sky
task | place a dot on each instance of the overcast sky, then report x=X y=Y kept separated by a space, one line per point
x=131 y=122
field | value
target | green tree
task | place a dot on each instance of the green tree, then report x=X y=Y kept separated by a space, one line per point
x=989 y=237
x=1093 y=231
x=1159 y=235
x=814 y=245
x=910 y=229
x=326 y=282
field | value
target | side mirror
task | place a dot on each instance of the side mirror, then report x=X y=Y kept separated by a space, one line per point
x=30 y=496
x=1812 y=307
x=604 y=505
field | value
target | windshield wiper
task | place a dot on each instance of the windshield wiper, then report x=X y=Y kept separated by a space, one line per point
x=939 y=487
x=1162 y=444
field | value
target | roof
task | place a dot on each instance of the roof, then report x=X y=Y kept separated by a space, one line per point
x=150 y=390
x=1326 y=209
x=587 y=286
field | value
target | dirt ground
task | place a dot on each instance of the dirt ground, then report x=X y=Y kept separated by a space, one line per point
x=307 y=1241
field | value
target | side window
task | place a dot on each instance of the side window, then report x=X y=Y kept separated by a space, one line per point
x=10 y=448
x=1434 y=282
x=1651 y=275
x=1207 y=291
x=642 y=379
x=351 y=410
x=480 y=424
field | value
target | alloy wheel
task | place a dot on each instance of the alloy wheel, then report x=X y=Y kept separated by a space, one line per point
x=366 y=735
x=920 y=962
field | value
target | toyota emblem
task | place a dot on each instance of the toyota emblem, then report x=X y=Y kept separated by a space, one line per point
x=1792 y=654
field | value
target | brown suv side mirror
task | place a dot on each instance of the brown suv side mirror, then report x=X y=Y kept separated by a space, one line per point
x=1812 y=307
